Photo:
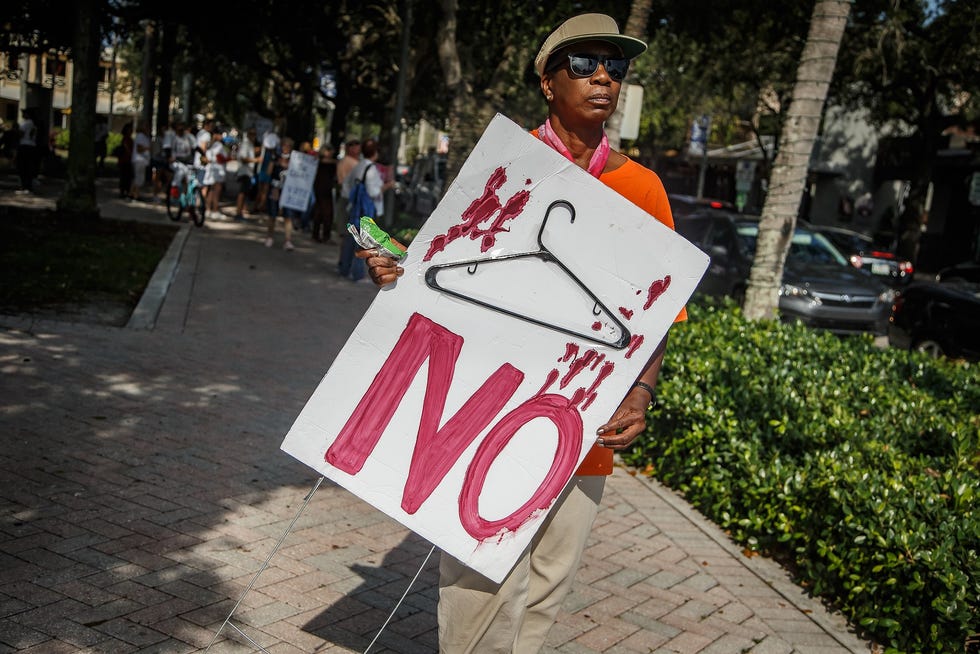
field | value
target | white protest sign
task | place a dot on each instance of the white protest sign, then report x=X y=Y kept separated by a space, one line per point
x=299 y=181
x=472 y=388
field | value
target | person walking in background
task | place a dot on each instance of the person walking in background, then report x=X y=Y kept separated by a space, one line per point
x=184 y=144
x=202 y=142
x=204 y=134
x=247 y=158
x=280 y=168
x=306 y=216
x=162 y=153
x=214 y=172
x=323 y=187
x=140 y=160
x=267 y=160
x=352 y=155
x=581 y=66
x=124 y=158
x=368 y=169
x=27 y=152
x=365 y=172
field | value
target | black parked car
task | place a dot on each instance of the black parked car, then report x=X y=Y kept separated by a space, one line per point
x=860 y=250
x=966 y=271
x=941 y=318
x=819 y=286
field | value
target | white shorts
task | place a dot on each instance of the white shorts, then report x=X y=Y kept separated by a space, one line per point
x=214 y=174
x=139 y=171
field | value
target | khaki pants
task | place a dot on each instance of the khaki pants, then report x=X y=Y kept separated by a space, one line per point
x=477 y=615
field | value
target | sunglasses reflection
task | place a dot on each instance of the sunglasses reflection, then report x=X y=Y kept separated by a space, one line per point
x=585 y=65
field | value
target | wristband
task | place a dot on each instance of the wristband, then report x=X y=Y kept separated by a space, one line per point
x=648 y=388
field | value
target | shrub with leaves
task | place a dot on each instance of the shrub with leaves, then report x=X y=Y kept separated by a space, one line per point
x=859 y=464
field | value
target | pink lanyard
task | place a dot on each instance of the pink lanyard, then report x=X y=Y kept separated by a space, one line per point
x=598 y=161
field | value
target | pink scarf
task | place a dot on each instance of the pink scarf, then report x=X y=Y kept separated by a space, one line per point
x=598 y=161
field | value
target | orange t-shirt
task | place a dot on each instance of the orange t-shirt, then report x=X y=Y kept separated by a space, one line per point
x=643 y=188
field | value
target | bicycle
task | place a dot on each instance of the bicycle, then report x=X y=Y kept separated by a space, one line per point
x=185 y=193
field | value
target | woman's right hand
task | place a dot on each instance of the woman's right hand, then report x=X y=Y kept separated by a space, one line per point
x=383 y=270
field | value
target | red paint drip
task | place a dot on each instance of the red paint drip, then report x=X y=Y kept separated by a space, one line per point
x=577 y=397
x=571 y=351
x=552 y=376
x=638 y=291
x=599 y=359
x=481 y=210
x=626 y=313
x=596 y=326
x=515 y=205
x=576 y=367
x=593 y=391
x=527 y=182
x=656 y=289
x=484 y=206
x=636 y=340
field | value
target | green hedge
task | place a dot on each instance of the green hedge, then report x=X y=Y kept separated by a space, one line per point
x=858 y=465
x=62 y=139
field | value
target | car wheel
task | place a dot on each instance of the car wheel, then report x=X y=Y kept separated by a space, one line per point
x=930 y=347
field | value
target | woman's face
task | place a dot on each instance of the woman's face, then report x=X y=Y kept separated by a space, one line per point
x=582 y=100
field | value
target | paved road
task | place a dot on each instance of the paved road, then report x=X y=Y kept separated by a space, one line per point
x=143 y=487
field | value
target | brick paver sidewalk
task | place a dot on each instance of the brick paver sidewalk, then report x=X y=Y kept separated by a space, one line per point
x=143 y=486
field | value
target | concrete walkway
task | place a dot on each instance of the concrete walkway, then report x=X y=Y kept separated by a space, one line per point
x=143 y=486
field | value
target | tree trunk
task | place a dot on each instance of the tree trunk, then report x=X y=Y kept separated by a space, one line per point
x=636 y=26
x=462 y=104
x=796 y=145
x=79 y=195
x=391 y=200
x=149 y=81
x=168 y=50
x=469 y=112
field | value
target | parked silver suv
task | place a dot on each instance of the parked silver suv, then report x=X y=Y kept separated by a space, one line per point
x=819 y=287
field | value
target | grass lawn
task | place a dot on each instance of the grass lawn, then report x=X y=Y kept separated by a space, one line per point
x=89 y=270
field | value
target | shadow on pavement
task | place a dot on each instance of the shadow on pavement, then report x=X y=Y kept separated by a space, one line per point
x=354 y=620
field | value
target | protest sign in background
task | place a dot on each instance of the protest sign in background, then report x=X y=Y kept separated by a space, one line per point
x=298 y=189
x=472 y=388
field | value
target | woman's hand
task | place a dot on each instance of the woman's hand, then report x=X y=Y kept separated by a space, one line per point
x=628 y=422
x=383 y=270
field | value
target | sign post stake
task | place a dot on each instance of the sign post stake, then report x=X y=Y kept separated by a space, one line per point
x=265 y=564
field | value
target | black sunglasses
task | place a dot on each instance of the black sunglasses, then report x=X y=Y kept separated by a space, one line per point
x=585 y=65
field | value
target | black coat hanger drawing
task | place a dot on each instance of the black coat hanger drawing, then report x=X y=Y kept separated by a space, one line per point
x=477 y=281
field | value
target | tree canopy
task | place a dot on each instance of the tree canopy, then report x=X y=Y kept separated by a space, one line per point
x=911 y=64
x=904 y=61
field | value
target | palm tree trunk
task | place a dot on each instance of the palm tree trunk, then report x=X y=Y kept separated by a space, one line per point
x=796 y=145
x=636 y=26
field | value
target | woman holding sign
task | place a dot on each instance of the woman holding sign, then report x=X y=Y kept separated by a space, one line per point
x=582 y=65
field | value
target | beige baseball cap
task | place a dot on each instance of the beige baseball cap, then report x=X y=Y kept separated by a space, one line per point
x=587 y=27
